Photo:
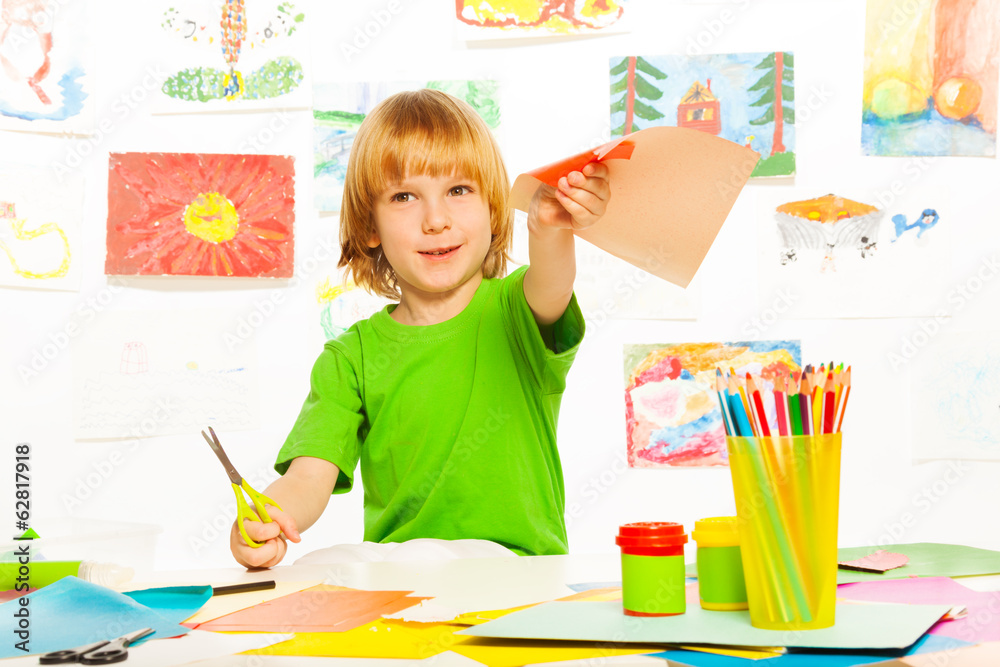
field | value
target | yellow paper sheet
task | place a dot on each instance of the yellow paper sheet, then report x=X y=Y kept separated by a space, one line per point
x=668 y=200
x=220 y=605
x=512 y=653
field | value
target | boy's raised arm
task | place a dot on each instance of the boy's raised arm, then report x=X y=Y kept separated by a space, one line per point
x=303 y=492
x=579 y=202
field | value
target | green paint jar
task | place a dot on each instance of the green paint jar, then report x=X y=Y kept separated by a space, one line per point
x=721 y=586
x=652 y=568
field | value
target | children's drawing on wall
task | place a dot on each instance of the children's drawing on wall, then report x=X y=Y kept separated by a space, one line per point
x=152 y=373
x=39 y=229
x=672 y=415
x=46 y=67
x=239 y=53
x=956 y=397
x=840 y=257
x=338 y=110
x=748 y=98
x=344 y=303
x=931 y=71
x=200 y=215
x=500 y=19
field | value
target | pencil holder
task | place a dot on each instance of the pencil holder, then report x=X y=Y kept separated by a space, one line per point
x=721 y=586
x=787 y=492
x=652 y=568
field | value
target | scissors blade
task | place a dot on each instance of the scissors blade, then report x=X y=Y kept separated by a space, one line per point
x=115 y=650
x=216 y=446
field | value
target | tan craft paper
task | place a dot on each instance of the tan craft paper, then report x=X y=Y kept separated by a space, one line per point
x=668 y=199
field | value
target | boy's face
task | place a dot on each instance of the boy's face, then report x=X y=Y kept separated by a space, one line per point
x=434 y=231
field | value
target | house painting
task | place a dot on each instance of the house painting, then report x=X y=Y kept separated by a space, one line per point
x=699 y=109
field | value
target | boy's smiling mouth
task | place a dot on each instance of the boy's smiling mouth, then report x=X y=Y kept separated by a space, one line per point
x=439 y=252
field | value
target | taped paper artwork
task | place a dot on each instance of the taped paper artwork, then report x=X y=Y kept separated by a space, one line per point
x=503 y=19
x=672 y=415
x=200 y=215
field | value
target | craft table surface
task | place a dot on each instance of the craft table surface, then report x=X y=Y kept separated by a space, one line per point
x=483 y=583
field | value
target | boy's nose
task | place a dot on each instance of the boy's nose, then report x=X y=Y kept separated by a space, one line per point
x=436 y=218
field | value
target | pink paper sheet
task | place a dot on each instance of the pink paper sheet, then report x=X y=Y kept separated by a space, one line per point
x=980 y=625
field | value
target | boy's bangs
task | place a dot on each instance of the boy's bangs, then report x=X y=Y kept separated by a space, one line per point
x=436 y=151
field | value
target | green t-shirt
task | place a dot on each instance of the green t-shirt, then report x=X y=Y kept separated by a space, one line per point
x=454 y=423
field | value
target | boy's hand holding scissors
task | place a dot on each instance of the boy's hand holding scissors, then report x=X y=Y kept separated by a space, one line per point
x=270 y=536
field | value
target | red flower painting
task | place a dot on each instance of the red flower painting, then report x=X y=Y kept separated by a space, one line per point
x=200 y=215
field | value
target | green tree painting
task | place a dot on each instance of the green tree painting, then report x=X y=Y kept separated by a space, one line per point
x=776 y=88
x=633 y=87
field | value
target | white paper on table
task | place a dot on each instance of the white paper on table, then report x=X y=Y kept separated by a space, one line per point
x=147 y=373
x=63 y=99
x=40 y=215
x=187 y=35
x=845 y=270
x=955 y=397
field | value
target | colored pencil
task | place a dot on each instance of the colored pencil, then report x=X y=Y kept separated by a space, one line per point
x=752 y=391
x=746 y=404
x=723 y=402
x=780 y=406
x=794 y=411
x=829 y=407
x=805 y=404
x=741 y=421
x=847 y=394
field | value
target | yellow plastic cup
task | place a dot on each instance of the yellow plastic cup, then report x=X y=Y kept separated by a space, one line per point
x=787 y=492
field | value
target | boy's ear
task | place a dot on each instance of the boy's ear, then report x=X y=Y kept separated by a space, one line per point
x=374 y=241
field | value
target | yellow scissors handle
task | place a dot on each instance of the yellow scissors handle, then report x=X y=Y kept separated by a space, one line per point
x=243 y=510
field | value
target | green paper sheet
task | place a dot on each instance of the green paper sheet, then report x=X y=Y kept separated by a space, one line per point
x=927 y=559
x=72 y=612
x=858 y=626
x=174 y=603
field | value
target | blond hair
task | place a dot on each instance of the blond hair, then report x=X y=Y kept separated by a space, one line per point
x=426 y=132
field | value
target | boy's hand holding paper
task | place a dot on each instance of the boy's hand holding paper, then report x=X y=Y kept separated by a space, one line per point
x=578 y=200
x=672 y=189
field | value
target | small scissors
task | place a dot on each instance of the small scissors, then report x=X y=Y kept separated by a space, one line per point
x=243 y=510
x=99 y=653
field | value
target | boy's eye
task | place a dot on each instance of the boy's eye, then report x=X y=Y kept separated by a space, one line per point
x=459 y=190
x=401 y=197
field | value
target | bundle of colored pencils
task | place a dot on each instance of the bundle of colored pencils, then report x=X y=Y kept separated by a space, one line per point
x=809 y=402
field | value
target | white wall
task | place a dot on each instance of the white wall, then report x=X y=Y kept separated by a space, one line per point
x=554 y=102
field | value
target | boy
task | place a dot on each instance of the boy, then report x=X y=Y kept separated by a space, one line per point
x=450 y=398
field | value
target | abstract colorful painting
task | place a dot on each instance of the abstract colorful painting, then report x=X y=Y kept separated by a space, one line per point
x=143 y=373
x=338 y=110
x=234 y=54
x=747 y=98
x=200 y=215
x=956 y=397
x=672 y=415
x=931 y=70
x=501 y=19
x=40 y=228
x=839 y=256
x=46 y=67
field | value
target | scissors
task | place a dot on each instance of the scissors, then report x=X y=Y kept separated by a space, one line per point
x=99 y=653
x=243 y=510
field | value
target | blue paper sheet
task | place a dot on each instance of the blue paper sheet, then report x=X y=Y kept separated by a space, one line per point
x=174 y=603
x=926 y=644
x=71 y=613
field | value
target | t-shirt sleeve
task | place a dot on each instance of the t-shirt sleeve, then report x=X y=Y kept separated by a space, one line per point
x=330 y=422
x=549 y=351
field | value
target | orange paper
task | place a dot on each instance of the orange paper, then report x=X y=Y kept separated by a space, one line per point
x=671 y=190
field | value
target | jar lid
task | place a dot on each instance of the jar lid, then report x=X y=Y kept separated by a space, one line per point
x=716 y=530
x=651 y=534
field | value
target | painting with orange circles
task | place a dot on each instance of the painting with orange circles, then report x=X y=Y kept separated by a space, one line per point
x=200 y=215
x=931 y=70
